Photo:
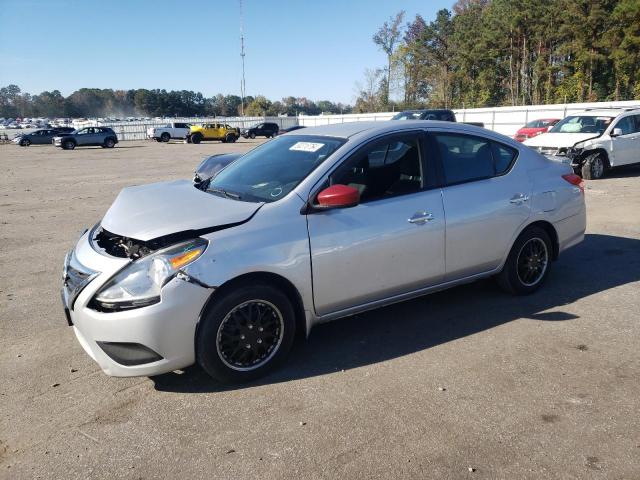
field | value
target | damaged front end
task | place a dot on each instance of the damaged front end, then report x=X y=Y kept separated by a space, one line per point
x=120 y=246
x=152 y=265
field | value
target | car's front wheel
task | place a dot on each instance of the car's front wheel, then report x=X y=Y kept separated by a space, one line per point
x=165 y=137
x=69 y=145
x=196 y=138
x=245 y=333
x=25 y=142
x=528 y=262
x=594 y=167
x=252 y=135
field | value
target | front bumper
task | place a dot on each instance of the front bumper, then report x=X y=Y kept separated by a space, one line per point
x=167 y=328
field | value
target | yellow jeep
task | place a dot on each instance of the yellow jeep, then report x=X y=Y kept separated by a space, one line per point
x=213 y=131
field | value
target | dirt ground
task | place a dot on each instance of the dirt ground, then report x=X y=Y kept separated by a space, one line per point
x=467 y=383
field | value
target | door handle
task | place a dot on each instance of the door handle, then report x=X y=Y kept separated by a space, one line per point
x=519 y=199
x=420 y=218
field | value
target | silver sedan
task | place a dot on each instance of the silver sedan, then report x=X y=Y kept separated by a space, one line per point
x=317 y=224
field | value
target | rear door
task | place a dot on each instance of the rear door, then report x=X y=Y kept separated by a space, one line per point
x=486 y=200
x=392 y=242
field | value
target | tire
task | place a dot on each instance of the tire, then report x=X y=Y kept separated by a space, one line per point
x=234 y=138
x=196 y=138
x=68 y=145
x=109 y=143
x=528 y=263
x=218 y=343
x=165 y=137
x=252 y=135
x=230 y=138
x=594 y=167
x=25 y=143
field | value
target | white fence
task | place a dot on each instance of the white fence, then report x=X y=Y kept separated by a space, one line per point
x=505 y=120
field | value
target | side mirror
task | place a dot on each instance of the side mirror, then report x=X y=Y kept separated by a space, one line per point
x=616 y=132
x=338 y=196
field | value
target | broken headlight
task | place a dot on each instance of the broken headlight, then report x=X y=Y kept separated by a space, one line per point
x=139 y=283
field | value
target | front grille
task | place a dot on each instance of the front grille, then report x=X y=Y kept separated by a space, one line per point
x=75 y=277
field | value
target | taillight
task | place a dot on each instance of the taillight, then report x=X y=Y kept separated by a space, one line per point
x=574 y=179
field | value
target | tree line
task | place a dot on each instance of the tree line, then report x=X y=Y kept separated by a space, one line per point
x=95 y=102
x=507 y=52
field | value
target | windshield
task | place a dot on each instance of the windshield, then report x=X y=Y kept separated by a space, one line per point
x=407 y=116
x=582 y=124
x=272 y=170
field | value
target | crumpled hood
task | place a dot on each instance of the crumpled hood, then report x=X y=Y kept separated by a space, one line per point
x=558 y=140
x=150 y=211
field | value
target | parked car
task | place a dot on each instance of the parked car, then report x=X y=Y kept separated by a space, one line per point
x=282 y=131
x=432 y=114
x=535 y=128
x=265 y=129
x=169 y=131
x=437 y=114
x=213 y=131
x=212 y=165
x=593 y=141
x=38 y=137
x=223 y=276
x=85 y=137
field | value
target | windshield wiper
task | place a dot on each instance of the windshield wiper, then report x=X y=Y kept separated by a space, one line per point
x=226 y=193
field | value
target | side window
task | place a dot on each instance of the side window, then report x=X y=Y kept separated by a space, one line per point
x=384 y=170
x=637 y=122
x=627 y=125
x=464 y=158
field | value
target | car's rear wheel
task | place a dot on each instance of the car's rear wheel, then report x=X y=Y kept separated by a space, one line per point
x=196 y=138
x=109 y=143
x=252 y=135
x=25 y=142
x=528 y=262
x=68 y=145
x=245 y=333
x=594 y=167
x=165 y=137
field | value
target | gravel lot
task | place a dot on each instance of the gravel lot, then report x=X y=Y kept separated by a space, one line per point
x=468 y=383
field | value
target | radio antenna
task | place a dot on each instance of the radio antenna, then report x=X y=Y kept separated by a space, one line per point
x=242 y=82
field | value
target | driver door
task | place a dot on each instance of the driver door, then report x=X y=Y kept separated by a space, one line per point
x=83 y=137
x=626 y=147
x=392 y=242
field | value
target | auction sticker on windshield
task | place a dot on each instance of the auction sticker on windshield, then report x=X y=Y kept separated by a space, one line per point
x=306 y=146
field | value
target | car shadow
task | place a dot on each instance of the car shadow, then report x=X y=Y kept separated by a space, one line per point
x=624 y=171
x=598 y=264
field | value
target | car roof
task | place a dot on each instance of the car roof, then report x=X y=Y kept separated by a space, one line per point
x=350 y=129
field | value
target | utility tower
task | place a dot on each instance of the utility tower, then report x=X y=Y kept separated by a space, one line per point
x=242 y=84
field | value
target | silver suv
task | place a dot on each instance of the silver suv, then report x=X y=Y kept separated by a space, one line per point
x=593 y=141
x=315 y=225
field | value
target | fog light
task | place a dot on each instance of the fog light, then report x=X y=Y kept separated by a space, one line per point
x=129 y=354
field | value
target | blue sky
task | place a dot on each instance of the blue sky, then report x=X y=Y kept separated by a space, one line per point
x=317 y=49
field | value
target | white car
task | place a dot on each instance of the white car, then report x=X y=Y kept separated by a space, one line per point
x=315 y=225
x=168 y=131
x=593 y=141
